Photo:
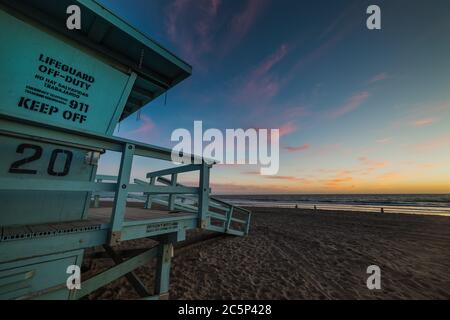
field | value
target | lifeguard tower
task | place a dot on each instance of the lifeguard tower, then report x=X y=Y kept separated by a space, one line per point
x=62 y=94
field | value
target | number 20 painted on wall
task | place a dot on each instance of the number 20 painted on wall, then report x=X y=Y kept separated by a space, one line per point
x=16 y=166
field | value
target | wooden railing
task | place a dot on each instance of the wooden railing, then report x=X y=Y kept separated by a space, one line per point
x=214 y=210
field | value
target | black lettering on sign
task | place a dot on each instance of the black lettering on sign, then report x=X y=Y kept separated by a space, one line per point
x=51 y=166
x=15 y=167
x=34 y=105
x=36 y=156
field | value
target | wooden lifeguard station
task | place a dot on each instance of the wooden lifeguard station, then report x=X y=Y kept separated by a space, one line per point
x=62 y=94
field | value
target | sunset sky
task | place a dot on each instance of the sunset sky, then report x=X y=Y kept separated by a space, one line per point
x=359 y=111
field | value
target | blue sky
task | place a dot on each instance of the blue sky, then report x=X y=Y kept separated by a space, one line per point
x=359 y=111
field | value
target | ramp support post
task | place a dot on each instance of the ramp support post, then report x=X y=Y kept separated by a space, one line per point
x=203 y=196
x=173 y=182
x=120 y=201
x=97 y=197
x=148 y=202
x=229 y=217
x=164 y=257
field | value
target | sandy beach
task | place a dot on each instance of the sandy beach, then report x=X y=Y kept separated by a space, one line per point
x=306 y=254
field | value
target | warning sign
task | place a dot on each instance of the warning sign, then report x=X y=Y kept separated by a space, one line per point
x=52 y=81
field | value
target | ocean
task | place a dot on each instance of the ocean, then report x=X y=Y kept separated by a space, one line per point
x=428 y=204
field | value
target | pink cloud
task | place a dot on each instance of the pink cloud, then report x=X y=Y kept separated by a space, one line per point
x=175 y=12
x=429 y=166
x=336 y=181
x=390 y=176
x=296 y=112
x=284 y=178
x=145 y=128
x=287 y=178
x=271 y=61
x=261 y=85
x=352 y=104
x=298 y=148
x=242 y=22
x=190 y=25
x=441 y=107
x=330 y=38
x=423 y=115
x=329 y=149
x=317 y=53
x=384 y=140
x=348 y=178
x=341 y=19
x=372 y=165
x=284 y=130
x=433 y=144
x=240 y=188
x=379 y=77
x=339 y=29
x=253 y=173
x=423 y=122
x=287 y=129
x=339 y=181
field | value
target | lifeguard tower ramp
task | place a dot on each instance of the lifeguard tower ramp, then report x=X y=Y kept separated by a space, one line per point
x=62 y=94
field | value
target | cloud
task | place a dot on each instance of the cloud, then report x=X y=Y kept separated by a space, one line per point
x=277 y=177
x=433 y=144
x=190 y=25
x=261 y=84
x=317 y=53
x=348 y=179
x=241 y=188
x=390 y=176
x=242 y=22
x=298 y=148
x=287 y=129
x=384 y=140
x=283 y=130
x=372 y=165
x=351 y=104
x=379 y=77
x=287 y=178
x=423 y=122
x=338 y=182
x=342 y=19
x=265 y=85
x=429 y=166
x=329 y=149
x=175 y=10
x=253 y=173
x=330 y=38
x=295 y=112
x=146 y=127
x=271 y=61
x=194 y=26
x=423 y=115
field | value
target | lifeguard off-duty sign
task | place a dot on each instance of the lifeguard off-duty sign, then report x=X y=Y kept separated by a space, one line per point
x=56 y=82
